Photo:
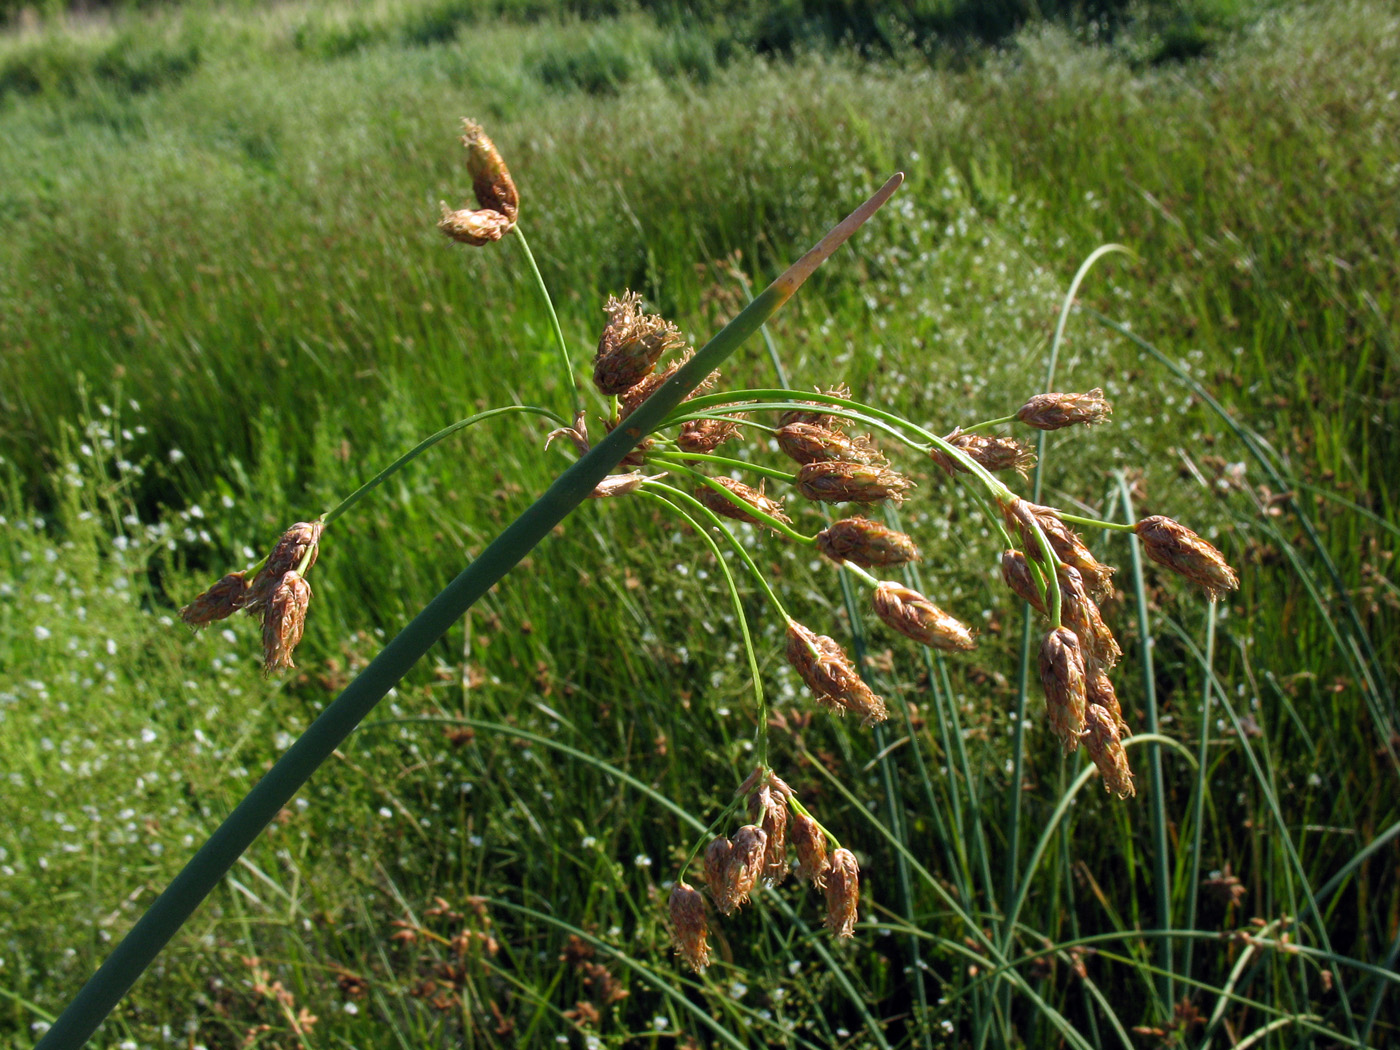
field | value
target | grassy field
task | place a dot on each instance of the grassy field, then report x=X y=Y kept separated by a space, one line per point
x=223 y=304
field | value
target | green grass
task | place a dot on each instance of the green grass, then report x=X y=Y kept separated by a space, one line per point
x=224 y=305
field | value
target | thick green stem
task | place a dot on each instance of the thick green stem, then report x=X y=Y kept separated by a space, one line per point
x=207 y=868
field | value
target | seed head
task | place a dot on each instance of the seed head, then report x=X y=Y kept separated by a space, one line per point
x=817 y=414
x=989 y=452
x=631 y=399
x=705 y=435
x=745 y=866
x=286 y=556
x=1098 y=689
x=689 y=929
x=283 y=620
x=1066 y=545
x=866 y=543
x=1016 y=572
x=831 y=676
x=1053 y=411
x=842 y=893
x=1080 y=614
x=810 y=842
x=840 y=482
x=807 y=443
x=769 y=809
x=727 y=508
x=631 y=344
x=1172 y=544
x=473 y=226
x=716 y=864
x=491 y=181
x=217 y=603
x=914 y=616
x=1062 y=677
x=1105 y=747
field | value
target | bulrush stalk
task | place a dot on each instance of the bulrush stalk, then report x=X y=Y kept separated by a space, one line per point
x=814 y=413
x=1054 y=411
x=1172 y=544
x=914 y=616
x=865 y=542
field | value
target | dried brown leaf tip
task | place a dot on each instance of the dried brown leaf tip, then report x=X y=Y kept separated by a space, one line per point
x=498 y=202
x=283 y=620
x=750 y=497
x=1104 y=743
x=808 y=443
x=842 y=893
x=840 y=482
x=1172 y=544
x=831 y=676
x=1054 y=411
x=219 y=602
x=914 y=616
x=816 y=414
x=631 y=344
x=987 y=451
x=688 y=926
x=809 y=841
x=1062 y=676
x=865 y=542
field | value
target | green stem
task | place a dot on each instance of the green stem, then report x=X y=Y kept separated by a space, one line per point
x=682 y=458
x=212 y=861
x=1096 y=523
x=987 y=424
x=427 y=443
x=553 y=318
x=748 y=508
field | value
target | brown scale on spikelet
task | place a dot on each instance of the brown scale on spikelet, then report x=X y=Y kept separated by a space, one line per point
x=865 y=542
x=300 y=541
x=806 y=443
x=842 y=893
x=1098 y=689
x=745 y=864
x=815 y=413
x=831 y=676
x=1080 y=614
x=631 y=344
x=1105 y=747
x=1062 y=677
x=1053 y=411
x=727 y=508
x=841 y=482
x=219 y=602
x=987 y=451
x=809 y=841
x=1172 y=544
x=914 y=616
x=705 y=435
x=689 y=929
x=283 y=620
x=1064 y=543
x=1016 y=572
x=716 y=865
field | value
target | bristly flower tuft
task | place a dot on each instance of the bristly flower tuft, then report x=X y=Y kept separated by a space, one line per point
x=1062 y=676
x=809 y=841
x=498 y=202
x=283 y=620
x=1172 y=544
x=987 y=451
x=807 y=443
x=914 y=616
x=727 y=508
x=842 y=893
x=631 y=344
x=837 y=481
x=219 y=602
x=1104 y=743
x=831 y=676
x=688 y=926
x=865 y=542
x=1054 y=411
x=299 y=543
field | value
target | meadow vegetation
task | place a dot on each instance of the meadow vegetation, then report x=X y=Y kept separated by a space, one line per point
x=223 y=304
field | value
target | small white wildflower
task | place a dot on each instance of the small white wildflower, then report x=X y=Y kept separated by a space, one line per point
x=42 y=633
x=385 y=812
x=351 y=1009
x=642 y=860
x=175 y=455
x=659 y=1023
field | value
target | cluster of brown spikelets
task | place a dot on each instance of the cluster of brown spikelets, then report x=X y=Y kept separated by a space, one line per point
x=278 y=592
x=758 y=853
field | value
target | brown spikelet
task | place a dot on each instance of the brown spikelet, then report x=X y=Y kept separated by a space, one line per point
x=831 y=676
x=815 y=413
x=745 y=864
x=705 y=435
x=727 y=508
x=806 y=443
x=491 y=182
x=840 y=482
x=1053 y=411
x=769 y=809
x=914 y=616
x=716 y=865
x=1172 y=544
x=865 y=542
x=809 y=841
x=1080 y=614
x=1062 y=677
x=987 y=451
x=631 y=398
x=298 y=542
x=631 y=344
x=842 y=893
x=689 y=929
x=1098 y=689
x=1064 y=543
x=283 y=620
x=1105 y=747
x=474 y=226
x=219 y=602
x=1016 y=572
